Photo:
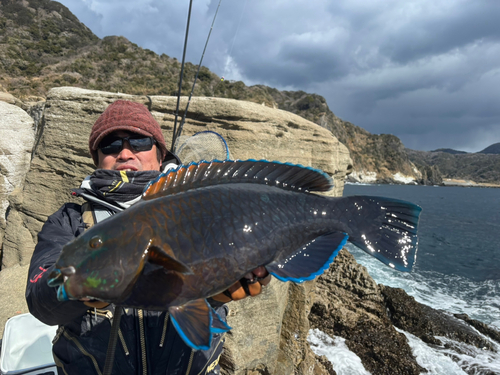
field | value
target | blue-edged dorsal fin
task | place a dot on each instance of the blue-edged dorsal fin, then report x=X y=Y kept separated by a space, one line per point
x=194 y=175
x=310 y=260
x=193 y=322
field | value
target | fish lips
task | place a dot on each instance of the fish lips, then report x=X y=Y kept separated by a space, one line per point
x=60 y=275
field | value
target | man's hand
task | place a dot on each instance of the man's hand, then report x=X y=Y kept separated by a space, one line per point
x=254 y=281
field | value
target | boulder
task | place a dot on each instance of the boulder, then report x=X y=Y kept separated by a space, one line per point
x=17 y=136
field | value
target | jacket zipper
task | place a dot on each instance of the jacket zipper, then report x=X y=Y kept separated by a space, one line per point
x=143 y=342
x=163 y=334
x=124 y=344
x=82 y=349
x=190 y=362
x=109 y=315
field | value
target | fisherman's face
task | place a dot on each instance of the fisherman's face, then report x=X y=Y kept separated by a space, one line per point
x=127 y=159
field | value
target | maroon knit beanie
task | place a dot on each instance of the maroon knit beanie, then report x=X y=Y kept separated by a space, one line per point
x=128 y=116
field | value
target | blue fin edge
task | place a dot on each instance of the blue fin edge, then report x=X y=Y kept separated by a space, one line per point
x=187 y=340
x=212 y=330
x=320 y=271
x=219 y=330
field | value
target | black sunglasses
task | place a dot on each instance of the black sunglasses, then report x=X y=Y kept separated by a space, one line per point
x=138 y=143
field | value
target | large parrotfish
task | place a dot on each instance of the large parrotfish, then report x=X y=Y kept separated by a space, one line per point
x=202 y=227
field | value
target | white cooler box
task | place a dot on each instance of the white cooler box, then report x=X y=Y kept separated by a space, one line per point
x=27 y=347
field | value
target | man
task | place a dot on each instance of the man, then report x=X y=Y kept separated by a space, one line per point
x=128 y=148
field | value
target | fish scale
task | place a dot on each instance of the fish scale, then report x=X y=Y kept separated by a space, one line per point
x=202 y=227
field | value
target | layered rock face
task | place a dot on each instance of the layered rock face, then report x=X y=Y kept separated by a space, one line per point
x=61 y=160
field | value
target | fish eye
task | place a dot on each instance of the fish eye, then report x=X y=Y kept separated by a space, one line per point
x=95 y=242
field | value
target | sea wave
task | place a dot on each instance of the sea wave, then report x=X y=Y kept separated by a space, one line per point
x=454 y=294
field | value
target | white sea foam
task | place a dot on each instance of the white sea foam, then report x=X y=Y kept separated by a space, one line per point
x=358 y=183
x=451 y=358
x=432 y=360
x=404 y=179
x=464 y=359
x=344 y=361
x=363 y=176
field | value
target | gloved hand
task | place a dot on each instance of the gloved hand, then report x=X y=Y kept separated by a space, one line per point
x=250 y=285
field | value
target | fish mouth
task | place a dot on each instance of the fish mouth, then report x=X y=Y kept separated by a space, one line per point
x=55 y=278
x=59 y=276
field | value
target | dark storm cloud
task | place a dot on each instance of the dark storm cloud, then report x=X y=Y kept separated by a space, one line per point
x=470 y=22
x=424 y=70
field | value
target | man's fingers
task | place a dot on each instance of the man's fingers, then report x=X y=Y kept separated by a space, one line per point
x=254 y=281
x=237 y=291
x=254 y=288
x=221 y=297
x=260 y=272
x=265 y=280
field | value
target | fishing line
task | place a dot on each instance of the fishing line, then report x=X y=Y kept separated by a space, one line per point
x=176 y=136
x=234 y=39
x=182 y=72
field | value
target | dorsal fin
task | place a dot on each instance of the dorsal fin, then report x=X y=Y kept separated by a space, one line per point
x=194 y=175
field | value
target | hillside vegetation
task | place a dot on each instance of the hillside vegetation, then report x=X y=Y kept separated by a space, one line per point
x=478 y=167
x=43 y=45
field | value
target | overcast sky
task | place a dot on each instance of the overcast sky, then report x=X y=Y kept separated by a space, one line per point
x=427 y=71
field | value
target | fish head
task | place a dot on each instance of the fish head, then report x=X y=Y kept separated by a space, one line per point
x=104 y=262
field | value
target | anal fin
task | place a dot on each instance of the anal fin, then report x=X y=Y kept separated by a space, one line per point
x=218 y=325
x=193 y=321
x=310 y=260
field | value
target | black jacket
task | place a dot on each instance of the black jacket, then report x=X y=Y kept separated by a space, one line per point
x=148 y=343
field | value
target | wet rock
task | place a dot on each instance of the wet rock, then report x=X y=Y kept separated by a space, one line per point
x=348 y=304
x=428 y=323
x=480 y=326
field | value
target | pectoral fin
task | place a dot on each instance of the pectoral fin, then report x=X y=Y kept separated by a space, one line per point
x=157 y=255
x=193 y=322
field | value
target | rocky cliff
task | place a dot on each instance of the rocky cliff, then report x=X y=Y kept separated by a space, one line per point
x=61 y=160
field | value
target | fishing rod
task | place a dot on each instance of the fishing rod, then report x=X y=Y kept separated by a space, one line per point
x=182 y=72
x=177 y=133
x=176 y=136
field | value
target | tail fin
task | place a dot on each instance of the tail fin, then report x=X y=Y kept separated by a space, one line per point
x=386 y=229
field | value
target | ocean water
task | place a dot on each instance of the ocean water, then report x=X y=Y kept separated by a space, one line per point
x=457 y=270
